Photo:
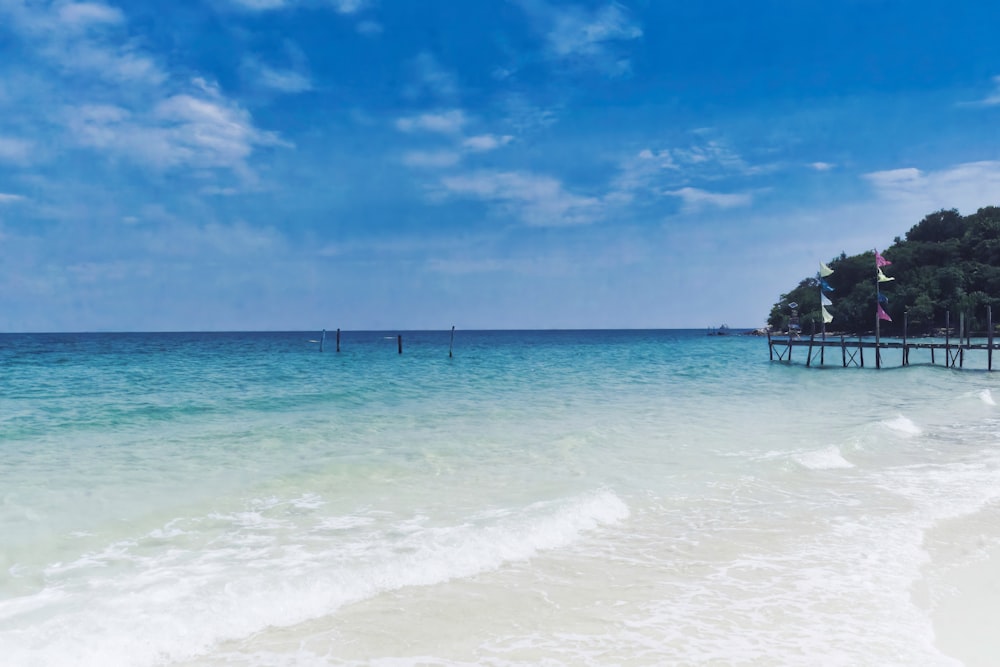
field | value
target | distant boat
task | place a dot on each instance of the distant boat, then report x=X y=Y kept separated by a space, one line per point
x=721 y=331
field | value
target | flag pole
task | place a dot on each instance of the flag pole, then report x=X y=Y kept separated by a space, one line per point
x=878 y=303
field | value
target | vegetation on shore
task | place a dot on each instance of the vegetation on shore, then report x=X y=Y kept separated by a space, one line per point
x=946 y=263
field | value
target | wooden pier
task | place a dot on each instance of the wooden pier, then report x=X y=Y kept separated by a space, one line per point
x=852 y=350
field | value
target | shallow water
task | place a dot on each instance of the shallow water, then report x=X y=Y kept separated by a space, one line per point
x=587 y=497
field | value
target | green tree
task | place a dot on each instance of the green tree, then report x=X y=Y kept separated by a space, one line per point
x=945 y=263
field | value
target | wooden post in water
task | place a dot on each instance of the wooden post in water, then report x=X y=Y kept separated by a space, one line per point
x=947 y=339
x=451 y=345
x=906 y=359
x=399 y=342
x=989 y=338
x=961 y=341
x=822 y=349
x=812 y=337
x=861 y=351
x=770 y=345
x=338 y=340
x=843 y=351
x=322 y=339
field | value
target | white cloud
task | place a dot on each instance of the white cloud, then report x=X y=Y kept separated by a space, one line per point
x=433 y=159
x=486 y=142
x=574 y=32
x=579 y=32
x=710 y=160
x=84 y=38
x=369 y=28
x=967 y=187
x=260 y=5
x=696 y=199
x=821 y=166
x=10 y=199
x=282 y=81
x=82 y=15
x=348 y=6
x=993 y=98
x=428 y=77
x=535 y=199
x=199 y=129
x=15 y=151
x=447 y=122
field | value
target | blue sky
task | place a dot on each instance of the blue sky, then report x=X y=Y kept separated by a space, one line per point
x=307 y=164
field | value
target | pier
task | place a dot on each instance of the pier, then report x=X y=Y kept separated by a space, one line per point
x=852 y=349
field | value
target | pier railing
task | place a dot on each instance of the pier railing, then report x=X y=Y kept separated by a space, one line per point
x=853 y=348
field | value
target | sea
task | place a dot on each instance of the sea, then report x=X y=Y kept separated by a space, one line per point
x=491 y=498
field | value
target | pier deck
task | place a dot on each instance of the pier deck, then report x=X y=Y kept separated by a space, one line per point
x=852 y=351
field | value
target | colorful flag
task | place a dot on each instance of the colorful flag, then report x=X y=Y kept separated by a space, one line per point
x=827 y=317
x=825 y=285
x=883 y=299
x=824 y=270
x=825 y=300
x=882 y=278
x=882 y=314
x=881 y=261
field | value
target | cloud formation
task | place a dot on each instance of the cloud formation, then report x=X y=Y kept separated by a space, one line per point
x=198 y=129
x=993 y=98
x=122 y=102
x=279 y=80
x=444 y=122
x=584 y=36
x=535 y=199
x=967 y=187
x=710 y=160
x=15 y=151
x=696 y=199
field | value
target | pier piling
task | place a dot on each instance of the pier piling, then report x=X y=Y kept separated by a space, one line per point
x=853 y=354
x=989 y=338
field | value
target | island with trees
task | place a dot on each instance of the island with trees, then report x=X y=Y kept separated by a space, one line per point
x=947 y=263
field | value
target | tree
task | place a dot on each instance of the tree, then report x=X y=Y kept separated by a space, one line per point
x=944 y=263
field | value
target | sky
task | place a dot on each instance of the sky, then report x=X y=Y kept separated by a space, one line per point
x=488 y=164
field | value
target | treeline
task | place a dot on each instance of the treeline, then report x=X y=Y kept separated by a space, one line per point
x=946 y=263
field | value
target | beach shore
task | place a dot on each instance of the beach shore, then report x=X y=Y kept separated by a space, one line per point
x=965 y=611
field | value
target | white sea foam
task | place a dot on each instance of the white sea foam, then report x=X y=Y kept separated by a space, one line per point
x=986 y=396
x=125 y=601
x=829 y=458
x=903 y=426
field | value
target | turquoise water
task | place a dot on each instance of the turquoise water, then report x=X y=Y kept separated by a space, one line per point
x=544 y=497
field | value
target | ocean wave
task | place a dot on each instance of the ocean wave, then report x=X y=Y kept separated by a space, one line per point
x=902 y=425
x=829 y=458
x=177 y=601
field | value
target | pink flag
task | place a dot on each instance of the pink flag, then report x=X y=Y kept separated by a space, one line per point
x=882 y=314
x=881 y=261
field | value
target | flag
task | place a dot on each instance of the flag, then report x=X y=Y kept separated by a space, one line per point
x=824 y=270
x=882 y=314
x=882 y=278
x=827 y=317
x=824 y=300
x=880 y=260
x=883 y=299
x=825 y=285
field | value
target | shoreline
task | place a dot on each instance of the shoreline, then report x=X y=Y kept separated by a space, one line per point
x=964 y=611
